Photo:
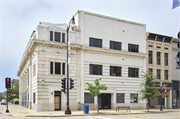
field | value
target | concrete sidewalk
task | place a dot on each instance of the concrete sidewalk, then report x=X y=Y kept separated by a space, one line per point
x=19 y=111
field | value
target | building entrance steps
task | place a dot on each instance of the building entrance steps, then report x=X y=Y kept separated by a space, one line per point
x=19 y=111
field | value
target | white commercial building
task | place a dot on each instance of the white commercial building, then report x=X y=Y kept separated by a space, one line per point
x=101 y=47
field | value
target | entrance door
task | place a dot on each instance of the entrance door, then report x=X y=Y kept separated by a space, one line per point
x=57 y=100
x=104 y=101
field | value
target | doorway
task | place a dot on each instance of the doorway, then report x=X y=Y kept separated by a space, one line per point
x=104 y=101
x=57 y=100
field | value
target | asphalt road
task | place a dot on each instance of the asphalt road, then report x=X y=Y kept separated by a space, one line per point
x=169 y=115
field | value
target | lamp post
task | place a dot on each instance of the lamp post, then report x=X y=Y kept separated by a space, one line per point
x=161 y=97
x=68 y=111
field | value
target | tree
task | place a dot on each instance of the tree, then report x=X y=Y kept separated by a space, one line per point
x=94 y=90
x=15 y=93
x=148 y=91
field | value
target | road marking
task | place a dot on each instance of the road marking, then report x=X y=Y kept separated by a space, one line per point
x=156 y=117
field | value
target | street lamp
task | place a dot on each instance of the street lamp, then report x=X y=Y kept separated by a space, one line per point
x=68 y=111
x=161 y=97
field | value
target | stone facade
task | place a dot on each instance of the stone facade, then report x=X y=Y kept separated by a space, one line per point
x=38 y=85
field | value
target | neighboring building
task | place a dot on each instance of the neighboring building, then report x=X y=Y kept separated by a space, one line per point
x=101 y=47
x=175 y=56
x=159 y=64
x=14 y=82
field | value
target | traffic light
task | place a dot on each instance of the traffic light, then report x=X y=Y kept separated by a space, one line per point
x=10 y=90
x=63 y=85
x=71 y=83
x=8 y=82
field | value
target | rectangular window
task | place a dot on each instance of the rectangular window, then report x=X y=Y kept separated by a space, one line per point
x=119 y=98
x=150 y=45
x=158 y=46
x=133 y=48
x=88 y=98
x=34 y=97
x=51 y=36
x=95 y=42
x=133 y=98
x=63 y=37
x=115 y=45
x=158 y=58
x=150 y=71
x=150 y=57
x=115 y=71
x=166 y=59
x=158 y=74
x=57 y=37
x=151 y=37
x=63 y=68
x=166 y=74
x=166 y=48
x=51 y=67
x=95 y=69
x=159 y=39
x=133 y=72
x=167 y=40
x=57 y=68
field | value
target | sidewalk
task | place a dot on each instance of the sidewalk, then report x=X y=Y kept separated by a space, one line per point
x=19 y=111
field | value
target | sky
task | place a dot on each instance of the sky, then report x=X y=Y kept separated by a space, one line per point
x=18 y=18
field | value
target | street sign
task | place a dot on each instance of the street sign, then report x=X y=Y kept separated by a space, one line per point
x=176 y=3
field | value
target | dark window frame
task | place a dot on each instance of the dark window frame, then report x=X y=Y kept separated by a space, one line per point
x=166 y=59
x=150 y=46
x=93 y=67
x=118 y=73
x=56 y=68
x=51 y=67
x=51 y=36
x=85 y=99
x=63 y=68
x=113 y=43
x=34 y=97
x=166 y=74
x=150 y=70
x=158 y=46
x=150 y=57
x=57 y=36
x=131 y=49
x=159 y=74
x=63 y=37
x=158 y=58
x=130 y=72
x=117 y=99
x=92 y=42
x=134 y=99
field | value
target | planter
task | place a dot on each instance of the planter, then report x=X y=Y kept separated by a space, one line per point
x=165 y=94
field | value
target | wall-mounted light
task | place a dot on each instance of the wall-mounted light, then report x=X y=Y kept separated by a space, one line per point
x=58 y=52
x=72 y=53
x=43 y=50
x=42 y=81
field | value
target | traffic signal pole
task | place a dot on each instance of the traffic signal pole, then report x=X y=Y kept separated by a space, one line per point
x=7 y=111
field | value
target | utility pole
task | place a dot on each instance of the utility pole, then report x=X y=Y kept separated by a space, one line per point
x=161 y=97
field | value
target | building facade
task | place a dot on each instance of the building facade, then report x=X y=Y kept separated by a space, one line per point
x=101 y=47
x=175 y=72
x=159 y=64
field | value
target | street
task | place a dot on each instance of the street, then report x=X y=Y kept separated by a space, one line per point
x=168 y=115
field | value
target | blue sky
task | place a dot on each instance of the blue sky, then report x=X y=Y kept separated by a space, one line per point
x=20 y=17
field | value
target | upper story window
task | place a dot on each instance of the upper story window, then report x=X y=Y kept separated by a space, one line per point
x=167 y=41
x=158 y=74
x=133 y=72
x=158 y=47
x=166 y=48
x=115 y=45
x=150 y=57
x=166 y=59
x=150 y=45
x=57 y=36
x=166 y=74
x=151 y=37
x=57 y=68
x=93 y=42
x=115 y=71
x=159 y=39
x=150 y=71
x=158 y=58
x=133 y=48
x=95 y=69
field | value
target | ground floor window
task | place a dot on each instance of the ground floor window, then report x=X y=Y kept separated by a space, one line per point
x=133 y=98
x=120 y=98
x=88 y=98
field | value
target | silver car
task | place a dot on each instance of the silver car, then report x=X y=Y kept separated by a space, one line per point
x=3 y=102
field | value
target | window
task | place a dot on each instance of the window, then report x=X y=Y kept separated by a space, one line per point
x=158 y=74
x=63 y=68
x=159 y=39
x=133 y=48
x=166 y=48
x=63 y=37
x=166 y=74
x=34 y=97
x=51 y=67
x=133 y=72
x=151 y=37
x=150 y=57
x=167 y=40
x=34 y=70
x=115 y=71
x=158 y=58
x=150 y=45
x=88 y=98
x=158 y=47
x=133 y=98
x=95 y=42
x=119 y=98
x=51 y=36
x=166 y=59
x=115 y=45
x=150 y=71
x=57 y=37
x=95 y=69
x=57 y=68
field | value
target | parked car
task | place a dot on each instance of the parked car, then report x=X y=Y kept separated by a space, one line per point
x=3 y=102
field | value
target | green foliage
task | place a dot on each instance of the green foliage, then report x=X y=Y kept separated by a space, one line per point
x=148 y=91
x=94 y=90
x=16 y=102
x=15 y=93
